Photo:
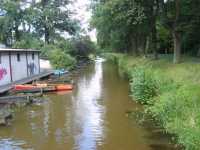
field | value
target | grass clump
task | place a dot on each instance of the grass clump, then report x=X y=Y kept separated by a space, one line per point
x=178 y=112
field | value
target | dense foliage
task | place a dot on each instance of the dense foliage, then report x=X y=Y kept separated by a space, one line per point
x=148 y=27
x=47 y=25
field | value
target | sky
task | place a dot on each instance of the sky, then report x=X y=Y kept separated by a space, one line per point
x=83 y=14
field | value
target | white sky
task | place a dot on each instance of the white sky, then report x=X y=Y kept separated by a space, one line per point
x=83 y=13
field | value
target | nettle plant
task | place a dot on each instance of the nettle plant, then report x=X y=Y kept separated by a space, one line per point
x=143 y=84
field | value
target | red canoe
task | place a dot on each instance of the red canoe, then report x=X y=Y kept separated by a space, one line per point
x=24 y=87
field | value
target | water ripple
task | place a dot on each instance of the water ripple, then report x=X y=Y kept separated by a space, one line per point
x=88 y=113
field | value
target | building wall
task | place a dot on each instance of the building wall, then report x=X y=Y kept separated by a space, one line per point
x=5 y=77
x=33 y=63
x=19 y=68
x=23 y=64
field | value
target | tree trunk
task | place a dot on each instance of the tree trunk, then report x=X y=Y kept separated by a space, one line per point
x=17 y=34
x=135 y=46
x=143 y=44
x=177 y=47
x=154 y=38
x=46 y=35
x=177 y=35
x=147 y=46
x=46 y=30
x=153 y=14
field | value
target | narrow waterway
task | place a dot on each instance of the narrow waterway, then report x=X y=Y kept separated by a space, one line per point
x=92 y=117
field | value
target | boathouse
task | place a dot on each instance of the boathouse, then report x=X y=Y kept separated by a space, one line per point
x=17 y=64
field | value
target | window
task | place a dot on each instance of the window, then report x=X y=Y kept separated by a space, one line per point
x=18 y=57
x=33 y=56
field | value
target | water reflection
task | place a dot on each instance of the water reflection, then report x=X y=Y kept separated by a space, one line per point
x=10 y=144
x=88 y=113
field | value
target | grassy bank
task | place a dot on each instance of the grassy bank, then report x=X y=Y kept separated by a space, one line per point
x=170 y=93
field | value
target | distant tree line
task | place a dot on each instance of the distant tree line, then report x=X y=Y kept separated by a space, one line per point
x=142 y=27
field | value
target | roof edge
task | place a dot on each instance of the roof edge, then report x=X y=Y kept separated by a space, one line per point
x=18 y=50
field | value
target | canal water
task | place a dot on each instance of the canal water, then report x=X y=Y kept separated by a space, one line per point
x=91 y=117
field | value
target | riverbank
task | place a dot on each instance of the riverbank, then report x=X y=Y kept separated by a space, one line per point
x=169 y=92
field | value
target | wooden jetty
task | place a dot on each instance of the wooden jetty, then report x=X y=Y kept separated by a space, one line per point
x=8 y=100
x=7 y=87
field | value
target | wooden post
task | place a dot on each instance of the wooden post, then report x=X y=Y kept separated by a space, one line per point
x=10 y=64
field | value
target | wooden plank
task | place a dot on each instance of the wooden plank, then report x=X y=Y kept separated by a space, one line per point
x=20 y=98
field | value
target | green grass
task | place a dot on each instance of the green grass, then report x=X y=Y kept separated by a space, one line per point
x=187 y=71
x=170 y=93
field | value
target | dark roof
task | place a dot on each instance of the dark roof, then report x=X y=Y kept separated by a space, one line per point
x=17 y=50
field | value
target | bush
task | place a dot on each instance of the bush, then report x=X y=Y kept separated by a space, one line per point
x=47 y=49
x=82 y=47
x=61 y=60
x=143 y=85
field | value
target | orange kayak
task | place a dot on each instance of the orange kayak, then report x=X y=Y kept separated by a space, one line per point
x=24 y=87
x=58 y=87
x=64 y=87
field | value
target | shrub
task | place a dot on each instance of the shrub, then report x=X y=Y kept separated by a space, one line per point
x=82 y=47
x=60 y=60
x=143 y=85
x=47 y=49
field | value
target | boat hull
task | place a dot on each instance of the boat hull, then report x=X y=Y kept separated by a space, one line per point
x=42 y=87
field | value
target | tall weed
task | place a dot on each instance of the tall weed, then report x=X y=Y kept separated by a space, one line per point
x=143 y=84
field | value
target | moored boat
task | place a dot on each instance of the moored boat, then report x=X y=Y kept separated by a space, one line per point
x=64 y=87
x=42 y=87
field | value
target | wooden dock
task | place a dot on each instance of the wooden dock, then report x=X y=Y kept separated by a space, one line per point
x=9 y=86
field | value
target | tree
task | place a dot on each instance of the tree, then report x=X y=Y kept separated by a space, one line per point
x=52 y=17
x=174 y=12
x=121 y=25
x=11 y=19
x=139 y=26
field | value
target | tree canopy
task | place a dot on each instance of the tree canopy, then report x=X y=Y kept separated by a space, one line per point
x=143 y=27
x=46 y=19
